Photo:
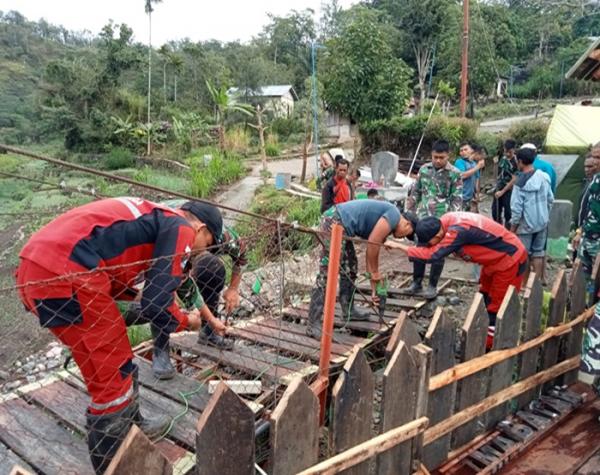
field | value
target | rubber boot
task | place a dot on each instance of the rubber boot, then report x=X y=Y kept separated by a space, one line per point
x=161 y=361
x=435 y=273
x=349 y=310
x=207 y=336
x=315 y=313
x=417 y=283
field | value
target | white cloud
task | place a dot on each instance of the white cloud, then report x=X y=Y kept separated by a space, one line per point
x=224 y=20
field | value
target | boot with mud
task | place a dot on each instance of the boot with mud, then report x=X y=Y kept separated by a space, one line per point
x=417 y=284
x=430 y=293
x=162 y=368
x=315 y=313
x=349 y=310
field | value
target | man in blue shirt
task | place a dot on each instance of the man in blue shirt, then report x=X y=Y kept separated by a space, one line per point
x=539 y=164
x=469 y=173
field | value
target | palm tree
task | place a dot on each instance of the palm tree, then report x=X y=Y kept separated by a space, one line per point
x=223 y=105
x=177 y=63
x=165 y=53
x=148 y=9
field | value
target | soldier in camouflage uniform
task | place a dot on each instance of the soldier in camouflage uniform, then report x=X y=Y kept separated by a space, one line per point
x=438 y=190
x=590 y=243
x=589 y=369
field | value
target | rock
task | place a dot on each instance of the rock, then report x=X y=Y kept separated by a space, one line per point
x=40 y=367
x=12 y=385
x=54 y=352
x=30 y=379
x=53 y=364
x=27 y=367
x=18 y=364
x=449 y=291
x=454 y=300
x=4 y=375
x=441 y=301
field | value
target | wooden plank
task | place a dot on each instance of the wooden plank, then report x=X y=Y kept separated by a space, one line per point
x=19 y=470
x=440 y=337
x=410 y=304
x=9 y=459
x=198 y=392
x=508 y=325
x=398 y=405
x=404 y=331
x=558 y=305
x=296 y=329
x=303 y=340
x=422 y=355
x=294 y=431
x=371 y=325
x=352 y=408
x=472 y=388
x=533 y=300
x=138 y=455
x=225 y=436
x=40 y=441
x=577 y=304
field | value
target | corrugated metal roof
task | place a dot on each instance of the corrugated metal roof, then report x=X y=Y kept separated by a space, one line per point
x=587 y=66
x=267 y=91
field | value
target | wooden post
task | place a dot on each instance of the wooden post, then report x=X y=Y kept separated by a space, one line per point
x=508 y=324
x=558 y=304
x=295 y=430
x=422 y=355
x=398 y=405
x=440 y=337
x=368 y=449
x=138 y=455
x=333 y=270
x=577 y=304
x=352 y=408
x=473 y=388
x=225 y=436
x=533 y=301
x=404 y=331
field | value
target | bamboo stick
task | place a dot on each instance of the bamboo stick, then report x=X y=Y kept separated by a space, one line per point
x=473 y=366
x=368 y=449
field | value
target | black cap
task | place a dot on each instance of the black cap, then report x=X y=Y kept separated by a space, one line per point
x=209 y=215
x=412 y=218
x=427 y=228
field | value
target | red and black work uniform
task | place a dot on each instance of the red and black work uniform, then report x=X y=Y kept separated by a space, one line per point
x=336 y=191
x=73 y=269
x=476 y=238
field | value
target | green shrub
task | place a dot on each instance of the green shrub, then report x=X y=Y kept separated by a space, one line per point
x=222 y=169
x=272 y=150
x=492 y=142
x=402 y=134
x=285 y=127
x=119 y=157
x=533 y=131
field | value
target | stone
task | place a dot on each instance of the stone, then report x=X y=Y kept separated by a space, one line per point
x=55 y=352
x=454 y=300
x=560 y=219
x=30 y=379
x=384 y=164
x=4 y=375
x=12 y=385
x=27 y=367
x=18 y=364
x=53 y=364
x=40 y=367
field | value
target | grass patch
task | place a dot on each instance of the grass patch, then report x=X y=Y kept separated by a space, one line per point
x=263 y=237
x=221 y=169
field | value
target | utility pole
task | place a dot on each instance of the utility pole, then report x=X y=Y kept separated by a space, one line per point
x=464 y=74
x=315 y=105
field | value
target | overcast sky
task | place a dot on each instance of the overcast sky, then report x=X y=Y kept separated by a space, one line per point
x=224 y=20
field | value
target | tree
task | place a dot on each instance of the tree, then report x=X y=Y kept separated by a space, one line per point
x=224 y=104
x=364 y=80
x=421 y=22
x=148 y=9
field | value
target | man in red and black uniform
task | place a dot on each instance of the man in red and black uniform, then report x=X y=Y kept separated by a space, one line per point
x=72 y=270
x=338 y=188
x=478 y=239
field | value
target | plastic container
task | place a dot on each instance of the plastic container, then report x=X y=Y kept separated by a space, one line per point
x=282 y=181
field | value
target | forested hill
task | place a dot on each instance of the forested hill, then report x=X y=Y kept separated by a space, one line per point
x=83 y=88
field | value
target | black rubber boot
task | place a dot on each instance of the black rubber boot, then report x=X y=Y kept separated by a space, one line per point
x=153 y=427
x=207 y=336
x=414 y=288
x=435 y=273
x=315 y=313
x=105 y=434
x=161 y=361
x=349 y=310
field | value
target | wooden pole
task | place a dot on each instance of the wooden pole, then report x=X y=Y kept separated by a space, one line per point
x=490 y=359
x=494 y=400
x=464 y=73
x=333 y=270
x=368 y=449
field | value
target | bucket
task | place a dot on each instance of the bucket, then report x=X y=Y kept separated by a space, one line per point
x=282 y=181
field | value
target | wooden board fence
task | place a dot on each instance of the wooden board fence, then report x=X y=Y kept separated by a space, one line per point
x=577 y=305
x=558 y=305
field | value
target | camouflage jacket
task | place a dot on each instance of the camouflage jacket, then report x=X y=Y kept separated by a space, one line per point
x=435 y=192
x=591 y=222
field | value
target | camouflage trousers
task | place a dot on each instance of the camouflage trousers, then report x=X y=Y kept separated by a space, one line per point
x=587 y=252
x=348 y=260
x=590 y=360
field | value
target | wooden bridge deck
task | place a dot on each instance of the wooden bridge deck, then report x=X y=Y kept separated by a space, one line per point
x=42 y=425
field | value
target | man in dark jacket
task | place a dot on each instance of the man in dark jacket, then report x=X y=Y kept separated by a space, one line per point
x=338 y=188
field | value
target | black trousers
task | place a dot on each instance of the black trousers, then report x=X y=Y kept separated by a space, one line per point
x=501 y=207
x=209 y=275
x=434 y=274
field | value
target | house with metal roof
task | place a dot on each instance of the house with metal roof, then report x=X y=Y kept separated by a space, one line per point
x=587 y=66
x=278 y=99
